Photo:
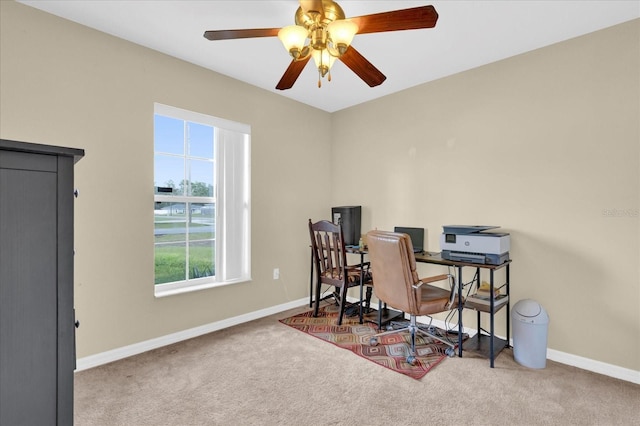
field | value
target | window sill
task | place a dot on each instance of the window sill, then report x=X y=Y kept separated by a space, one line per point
x=172 y=289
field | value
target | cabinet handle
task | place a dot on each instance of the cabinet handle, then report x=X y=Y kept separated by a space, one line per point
x=76 y=193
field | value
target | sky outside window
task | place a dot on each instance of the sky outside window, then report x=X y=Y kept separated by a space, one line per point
x=170 y=135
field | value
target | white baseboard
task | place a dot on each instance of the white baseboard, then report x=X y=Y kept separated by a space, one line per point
x=594 y=366
x=137 y=348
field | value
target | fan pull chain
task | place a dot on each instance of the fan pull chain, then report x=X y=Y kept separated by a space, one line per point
x=329 y=76
x=319 y=78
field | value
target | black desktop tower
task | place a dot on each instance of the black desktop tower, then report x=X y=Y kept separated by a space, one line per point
x=349 y=217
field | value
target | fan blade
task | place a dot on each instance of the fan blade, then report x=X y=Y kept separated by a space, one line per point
x=397 y=20
x=233 y=34
x=292 y=73
x=363 y=68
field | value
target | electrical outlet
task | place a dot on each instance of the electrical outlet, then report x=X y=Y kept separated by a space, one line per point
x=276 y=273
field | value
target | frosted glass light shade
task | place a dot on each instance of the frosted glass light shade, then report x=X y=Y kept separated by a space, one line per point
x=293 y=37
x=323 y=58
x=342 y=31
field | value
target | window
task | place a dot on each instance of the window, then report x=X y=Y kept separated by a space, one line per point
x=202 y=201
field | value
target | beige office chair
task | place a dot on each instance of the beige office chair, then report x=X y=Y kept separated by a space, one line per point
x=330 y=259
x=393 y=265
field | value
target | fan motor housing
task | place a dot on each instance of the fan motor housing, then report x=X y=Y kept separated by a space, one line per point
x=331 y=11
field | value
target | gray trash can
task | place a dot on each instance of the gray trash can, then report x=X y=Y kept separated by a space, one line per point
x=530 y=327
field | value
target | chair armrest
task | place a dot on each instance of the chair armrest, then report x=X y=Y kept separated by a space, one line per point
x=453 y=286
x=431 y=280
x=436 y=278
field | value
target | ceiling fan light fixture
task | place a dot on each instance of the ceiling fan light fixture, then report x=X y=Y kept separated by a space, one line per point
x=293 y=38
x=323 y=59
x=321 y=30
x=341 y=33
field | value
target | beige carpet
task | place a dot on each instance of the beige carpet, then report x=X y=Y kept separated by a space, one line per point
x=266 y=373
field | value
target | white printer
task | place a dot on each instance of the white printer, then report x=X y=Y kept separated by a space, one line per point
x=472 y=244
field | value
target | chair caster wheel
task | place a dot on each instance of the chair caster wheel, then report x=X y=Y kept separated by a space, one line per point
x=373 y=341
x=411 y=360
x=450 y=352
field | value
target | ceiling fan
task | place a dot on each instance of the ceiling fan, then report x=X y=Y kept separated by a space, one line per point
x=322 y=32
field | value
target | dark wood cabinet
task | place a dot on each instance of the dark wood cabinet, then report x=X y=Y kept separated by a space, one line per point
x=37 y=324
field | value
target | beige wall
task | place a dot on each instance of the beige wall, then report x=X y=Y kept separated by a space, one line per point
x=65 y=84
x=540 y=144
x=546 y=145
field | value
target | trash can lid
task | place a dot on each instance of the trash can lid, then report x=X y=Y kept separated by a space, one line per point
x=530 y=308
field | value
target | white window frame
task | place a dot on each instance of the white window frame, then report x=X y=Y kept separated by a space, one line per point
x=232 y=198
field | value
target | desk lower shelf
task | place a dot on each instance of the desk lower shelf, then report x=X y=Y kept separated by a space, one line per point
x=388 y=315
x=480 y=343
x=468 y=304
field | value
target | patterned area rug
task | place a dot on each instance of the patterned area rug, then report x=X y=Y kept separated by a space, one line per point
x=391 y=351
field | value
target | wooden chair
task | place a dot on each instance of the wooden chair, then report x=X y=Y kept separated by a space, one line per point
x=393 y=265
x=330 y=259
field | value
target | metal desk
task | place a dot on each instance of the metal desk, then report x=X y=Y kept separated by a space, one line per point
x=478 y=342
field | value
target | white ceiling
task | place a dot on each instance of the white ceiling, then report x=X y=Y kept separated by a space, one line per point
x=468 y=34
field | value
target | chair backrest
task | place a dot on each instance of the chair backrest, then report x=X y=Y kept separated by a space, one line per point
x=393 y=265
x=329 y=254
